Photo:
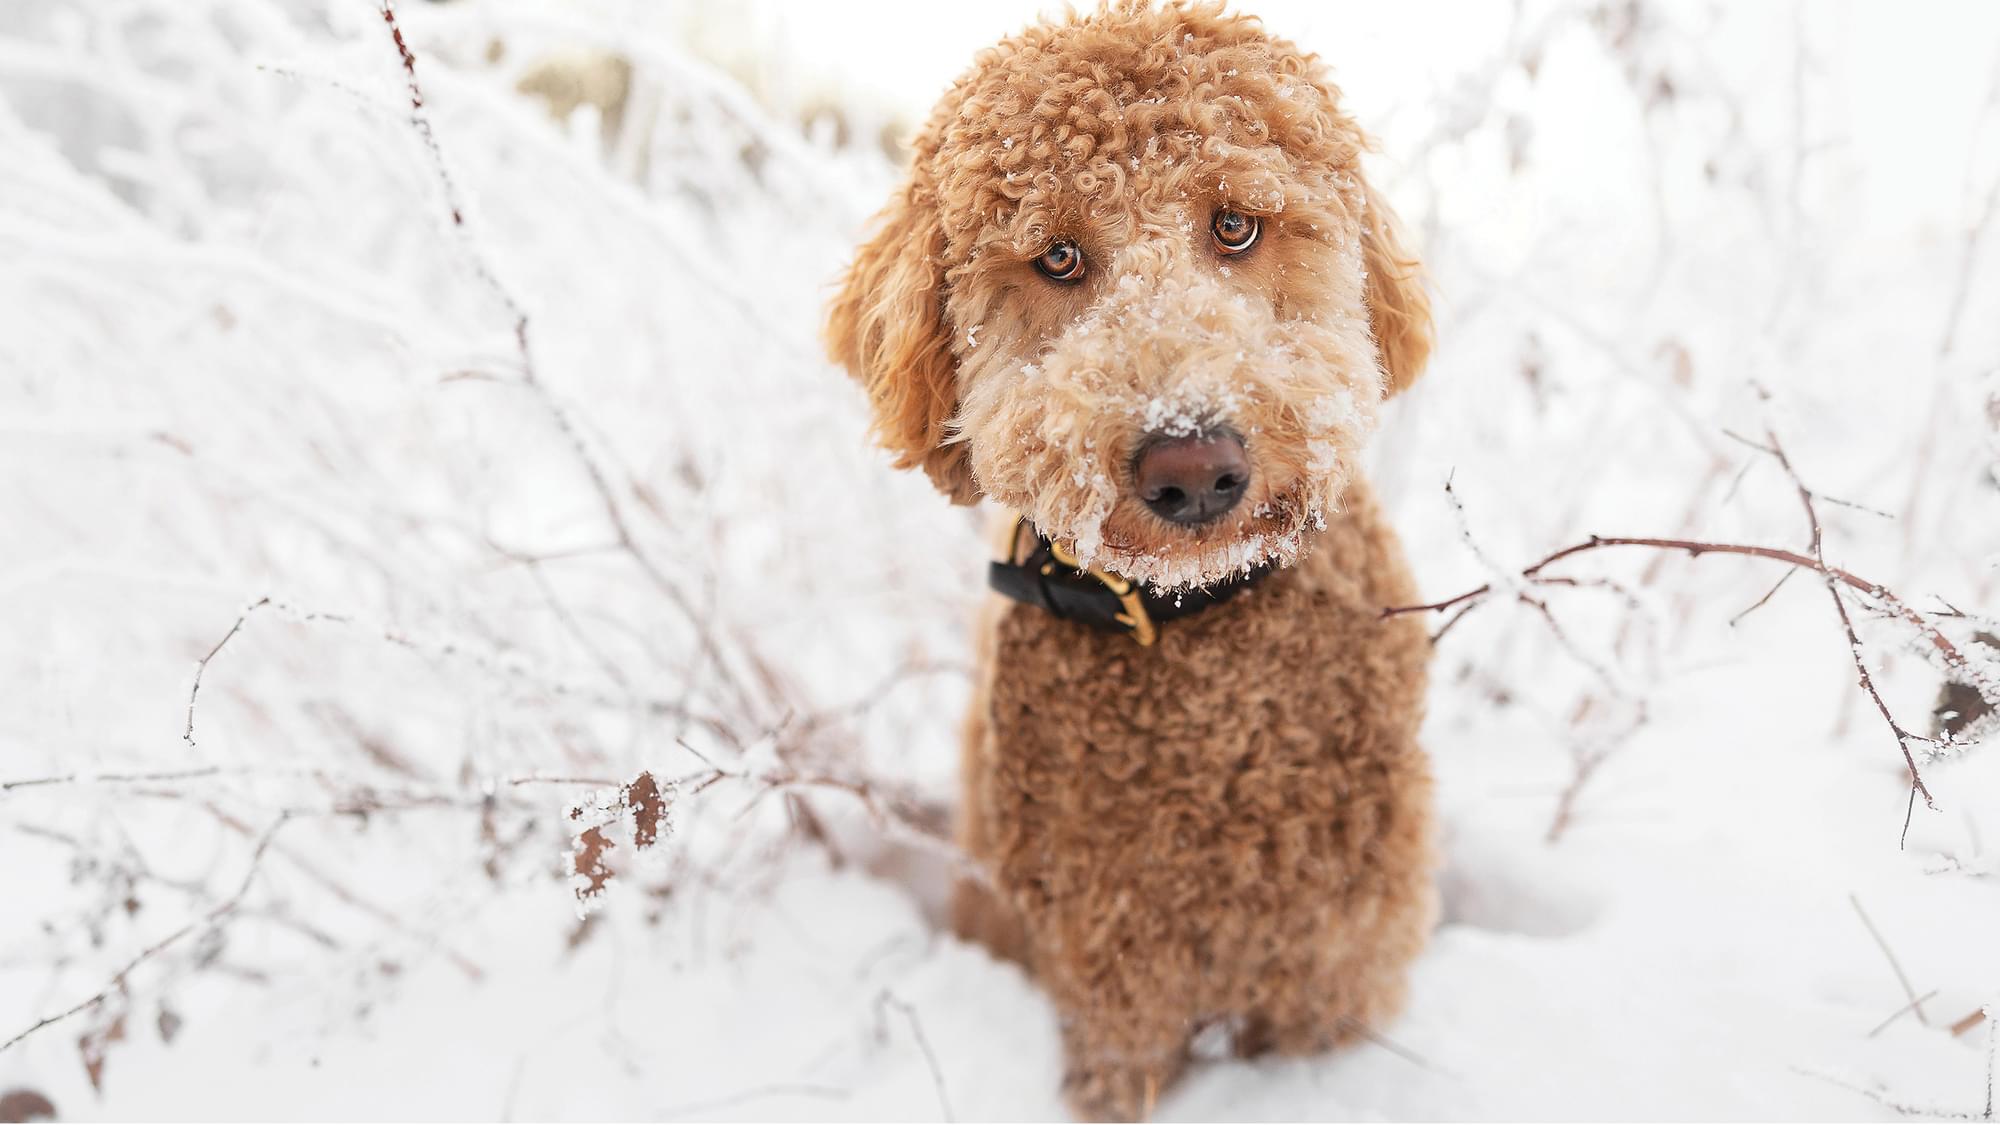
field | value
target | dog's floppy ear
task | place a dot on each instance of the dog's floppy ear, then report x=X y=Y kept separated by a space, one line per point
x=1398 y=309
x=886 y=326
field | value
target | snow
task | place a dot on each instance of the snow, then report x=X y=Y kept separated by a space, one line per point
x=247 y=353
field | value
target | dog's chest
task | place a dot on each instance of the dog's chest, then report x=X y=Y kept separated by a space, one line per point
x=1261 y=739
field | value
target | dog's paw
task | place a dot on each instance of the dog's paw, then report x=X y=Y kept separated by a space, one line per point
x=1113 y=1093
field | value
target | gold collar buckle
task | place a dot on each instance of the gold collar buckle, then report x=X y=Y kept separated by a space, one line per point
x=1135 y=616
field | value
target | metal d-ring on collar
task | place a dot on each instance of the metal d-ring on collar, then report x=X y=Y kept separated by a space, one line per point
x=1051 y=577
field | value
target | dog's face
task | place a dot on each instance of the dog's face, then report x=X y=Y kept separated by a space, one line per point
x=1136 y=288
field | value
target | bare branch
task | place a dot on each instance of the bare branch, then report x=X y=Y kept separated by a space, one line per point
x=1695 y=548
x=201 y=668
x=207 y=921
x=111 y=778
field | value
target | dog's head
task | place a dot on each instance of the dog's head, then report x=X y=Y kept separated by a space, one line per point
x=1136 y=288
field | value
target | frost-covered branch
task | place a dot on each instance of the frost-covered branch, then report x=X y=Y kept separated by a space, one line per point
x=209 y=920
x=1955 y=663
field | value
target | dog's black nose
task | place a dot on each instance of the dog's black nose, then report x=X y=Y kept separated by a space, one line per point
x=1192 y=480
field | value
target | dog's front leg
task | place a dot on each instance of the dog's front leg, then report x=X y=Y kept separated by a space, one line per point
x=980 y=911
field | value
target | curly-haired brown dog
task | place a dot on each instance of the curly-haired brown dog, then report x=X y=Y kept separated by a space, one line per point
x=1137 y=290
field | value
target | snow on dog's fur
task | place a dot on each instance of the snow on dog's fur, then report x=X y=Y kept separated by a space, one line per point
x=1126 y=132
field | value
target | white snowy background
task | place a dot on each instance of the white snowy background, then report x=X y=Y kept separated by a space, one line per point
x=493 y=446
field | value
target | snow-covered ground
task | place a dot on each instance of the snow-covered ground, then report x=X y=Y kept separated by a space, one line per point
x=262 y=388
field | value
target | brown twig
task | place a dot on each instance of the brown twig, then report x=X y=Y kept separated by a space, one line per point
x=1867 y=679
x=1695 y=548
x=1760 y=602
x=419 y=120
x=1456 y=617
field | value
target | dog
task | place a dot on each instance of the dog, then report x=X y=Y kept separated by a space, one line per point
x=1137 y=292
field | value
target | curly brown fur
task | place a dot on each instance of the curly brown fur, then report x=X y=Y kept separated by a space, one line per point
x=1232 y=825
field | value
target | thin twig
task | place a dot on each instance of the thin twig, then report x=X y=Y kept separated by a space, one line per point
x=1910 y=993
x=1386 y=1043
x=1992 y=1054
x=890 y=999
x=111 y=778
x=333 y=886
x=187 y=733
x=1883 y=1100
x=888 y=817
x=1768 y=595
x=1455 y=618
x=1899 y=1013
x=1565 y=814
x=1867 y=678
x=456 y=651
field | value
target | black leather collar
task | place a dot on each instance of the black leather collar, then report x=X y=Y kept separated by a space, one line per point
x=1049 y=577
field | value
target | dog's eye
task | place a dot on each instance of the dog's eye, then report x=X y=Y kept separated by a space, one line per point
x=1062 y=261
x=1235 y=232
